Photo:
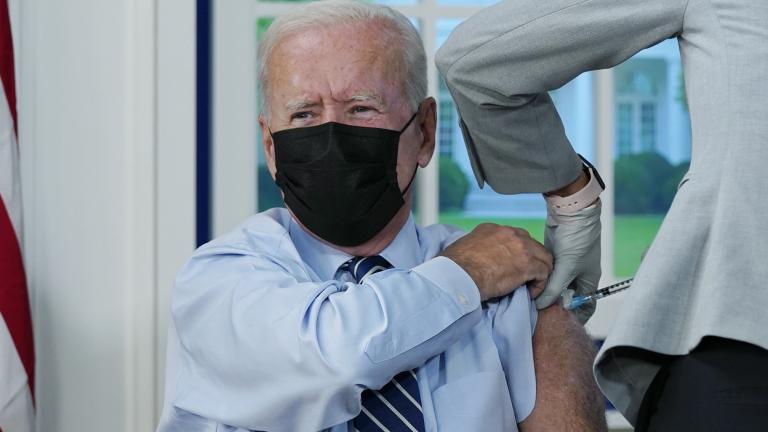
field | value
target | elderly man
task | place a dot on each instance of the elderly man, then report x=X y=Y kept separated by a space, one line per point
x=340 y=313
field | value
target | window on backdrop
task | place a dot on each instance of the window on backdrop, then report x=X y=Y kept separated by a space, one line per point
x=466 y=205
x=652 y=148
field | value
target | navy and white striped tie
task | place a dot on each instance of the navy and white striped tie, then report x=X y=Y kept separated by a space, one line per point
x=396 y=406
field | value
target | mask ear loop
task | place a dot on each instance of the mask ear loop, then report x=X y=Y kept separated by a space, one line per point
x=409 y=122
x=413 y=177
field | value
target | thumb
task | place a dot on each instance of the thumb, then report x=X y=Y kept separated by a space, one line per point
x=586 y=283
x=558 y=281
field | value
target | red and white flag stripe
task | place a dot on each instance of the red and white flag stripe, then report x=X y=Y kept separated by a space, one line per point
x=17 y=358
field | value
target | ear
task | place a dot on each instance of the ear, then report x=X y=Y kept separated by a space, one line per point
x=427 y=120
x=269 y=145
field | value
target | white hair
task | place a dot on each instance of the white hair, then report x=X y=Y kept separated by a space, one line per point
x=330 y=13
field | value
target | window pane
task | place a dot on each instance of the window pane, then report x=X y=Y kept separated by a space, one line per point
x=652 y=148
x=446 y=122
x=648 y=126
x=624 y=125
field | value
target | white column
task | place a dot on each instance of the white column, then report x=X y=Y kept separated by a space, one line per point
x=139 y=201
x=604 y=141
x=429 y=177
x=176 y=53
x=234 y=113
x=108 y=212
x=599 y=325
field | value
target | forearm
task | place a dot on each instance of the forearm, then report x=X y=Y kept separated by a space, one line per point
x=394 y=321
x=275 y=340
x=567 y=396
x=571 y=188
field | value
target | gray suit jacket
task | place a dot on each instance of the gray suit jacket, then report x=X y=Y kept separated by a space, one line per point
x=707 y=269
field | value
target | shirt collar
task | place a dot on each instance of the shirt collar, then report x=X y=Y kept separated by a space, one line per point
x=403 y=252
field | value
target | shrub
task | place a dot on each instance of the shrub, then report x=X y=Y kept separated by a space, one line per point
x=454 y=185
x=269 y=193
x=645 y=183
x=669 y=189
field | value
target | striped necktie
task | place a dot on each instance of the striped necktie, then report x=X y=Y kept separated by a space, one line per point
x=396 y=406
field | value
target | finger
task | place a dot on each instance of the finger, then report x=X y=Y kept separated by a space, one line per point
x=586 y=284
x=541 y=253
x=538 y=275
x=486 y=226
x=549 y=238
x=567 y=297
x=519 y=231
x=547 y=297
x=538 y=251
x=536 y=287
x=558 y=281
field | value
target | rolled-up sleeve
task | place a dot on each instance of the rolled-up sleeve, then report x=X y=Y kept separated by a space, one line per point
x=513 y=320
x=264 y=347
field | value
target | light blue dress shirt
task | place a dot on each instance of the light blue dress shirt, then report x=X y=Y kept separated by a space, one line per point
x=265 y=338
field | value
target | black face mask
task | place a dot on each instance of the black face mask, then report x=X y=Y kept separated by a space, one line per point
x=340 y=180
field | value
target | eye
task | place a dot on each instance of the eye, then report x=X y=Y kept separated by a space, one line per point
x=362 y=109
x=301 y=115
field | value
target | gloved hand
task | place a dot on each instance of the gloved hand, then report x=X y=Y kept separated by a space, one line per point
x=574 y=241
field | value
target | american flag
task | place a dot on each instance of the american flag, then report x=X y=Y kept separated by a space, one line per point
x=17 y=357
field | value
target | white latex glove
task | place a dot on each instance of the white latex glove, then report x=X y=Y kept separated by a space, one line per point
x=574 y=241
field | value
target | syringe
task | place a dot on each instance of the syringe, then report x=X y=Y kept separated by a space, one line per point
x=577 y=301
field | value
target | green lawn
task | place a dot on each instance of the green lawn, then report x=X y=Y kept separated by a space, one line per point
x=533 y=226
x=633 y=234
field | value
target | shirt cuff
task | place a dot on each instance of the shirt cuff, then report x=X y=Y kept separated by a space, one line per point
x=453 y=280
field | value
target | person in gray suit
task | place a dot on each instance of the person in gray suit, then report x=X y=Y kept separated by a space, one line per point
x=688 y=349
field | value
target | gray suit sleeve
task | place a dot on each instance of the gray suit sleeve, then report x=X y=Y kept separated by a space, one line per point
x=500 y=64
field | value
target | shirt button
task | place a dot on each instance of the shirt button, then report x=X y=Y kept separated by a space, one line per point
x=463 y=299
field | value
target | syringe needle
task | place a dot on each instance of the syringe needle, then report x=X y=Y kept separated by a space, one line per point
x=602 y=292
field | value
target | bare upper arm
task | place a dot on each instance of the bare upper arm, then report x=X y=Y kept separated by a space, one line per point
x=567 y=397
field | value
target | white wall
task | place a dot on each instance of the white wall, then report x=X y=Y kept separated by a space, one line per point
x=107 y=147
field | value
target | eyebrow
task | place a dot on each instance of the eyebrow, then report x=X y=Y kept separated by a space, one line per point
x=366 y=97
x=362 y=97
x=300 y=105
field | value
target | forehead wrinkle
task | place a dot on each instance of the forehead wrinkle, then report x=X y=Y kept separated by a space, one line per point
x=377 y=53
